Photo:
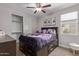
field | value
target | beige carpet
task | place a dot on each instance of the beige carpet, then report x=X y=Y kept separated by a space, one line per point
x=61 y=52
x=18 y=52
x=57 y=52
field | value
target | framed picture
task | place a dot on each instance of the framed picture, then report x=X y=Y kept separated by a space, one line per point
x=54 y=21
x=50 y=22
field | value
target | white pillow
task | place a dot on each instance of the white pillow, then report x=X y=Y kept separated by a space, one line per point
x=52 y=31
x=44 y=31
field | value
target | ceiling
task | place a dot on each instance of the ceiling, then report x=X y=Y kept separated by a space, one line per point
x=54 y=7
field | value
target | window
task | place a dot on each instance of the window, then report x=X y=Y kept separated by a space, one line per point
x=69 y=23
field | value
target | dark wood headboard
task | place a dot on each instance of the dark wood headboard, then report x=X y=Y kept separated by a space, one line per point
x=54 y=28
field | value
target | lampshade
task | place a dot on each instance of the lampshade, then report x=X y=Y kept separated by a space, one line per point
x=2 y=33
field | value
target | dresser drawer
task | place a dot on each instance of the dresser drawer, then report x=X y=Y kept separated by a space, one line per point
x=8 y=48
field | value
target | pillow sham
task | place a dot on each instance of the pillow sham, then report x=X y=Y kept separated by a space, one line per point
x=51 y=31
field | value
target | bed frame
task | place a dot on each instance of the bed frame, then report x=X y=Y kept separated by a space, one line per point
x=46 y=50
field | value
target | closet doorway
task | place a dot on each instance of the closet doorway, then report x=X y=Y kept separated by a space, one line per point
x=17 y=26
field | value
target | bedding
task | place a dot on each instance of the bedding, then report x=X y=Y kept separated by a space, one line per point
x=37 y=41
x=43 y=37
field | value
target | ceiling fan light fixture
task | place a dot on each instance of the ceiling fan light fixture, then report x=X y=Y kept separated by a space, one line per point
x=38 y=9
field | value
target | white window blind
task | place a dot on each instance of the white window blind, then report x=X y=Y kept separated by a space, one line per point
x=69 y=16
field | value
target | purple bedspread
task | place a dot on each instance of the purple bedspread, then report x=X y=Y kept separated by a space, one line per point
x=43 y=39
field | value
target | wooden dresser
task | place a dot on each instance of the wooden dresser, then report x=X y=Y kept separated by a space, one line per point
x=7 y=46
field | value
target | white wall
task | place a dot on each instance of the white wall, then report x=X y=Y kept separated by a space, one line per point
x=64 y=40
x=29 y=22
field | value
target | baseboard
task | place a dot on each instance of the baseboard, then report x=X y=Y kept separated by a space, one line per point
x=64 y=46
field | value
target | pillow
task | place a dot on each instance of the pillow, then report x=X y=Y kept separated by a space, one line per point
x=51 y=31
x=45 y=31
x=37 y=32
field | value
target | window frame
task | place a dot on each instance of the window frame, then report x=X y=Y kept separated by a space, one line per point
x=76 y=32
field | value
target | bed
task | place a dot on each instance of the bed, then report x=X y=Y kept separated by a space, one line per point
x=39 y=44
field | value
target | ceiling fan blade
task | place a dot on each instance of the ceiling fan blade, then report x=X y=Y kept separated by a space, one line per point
x=35 y=11
x=30 y=7
x=43 y=11
x=46 y=6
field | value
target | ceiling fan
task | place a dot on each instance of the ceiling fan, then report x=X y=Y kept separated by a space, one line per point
x=39 y=7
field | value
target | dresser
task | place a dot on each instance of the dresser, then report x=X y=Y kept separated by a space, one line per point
x=7 y=46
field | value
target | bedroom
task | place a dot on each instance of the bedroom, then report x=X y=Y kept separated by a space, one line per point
x=28 y=22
